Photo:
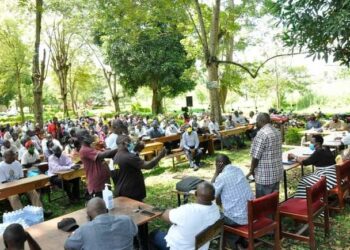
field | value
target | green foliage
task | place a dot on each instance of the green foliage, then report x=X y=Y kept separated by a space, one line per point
x=14 y=62
x=321 y=27
x=158 y=62
x=309 y=99
x=137 y=108
x=292 y=136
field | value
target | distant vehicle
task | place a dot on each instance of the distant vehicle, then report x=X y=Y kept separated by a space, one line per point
x=3 y=114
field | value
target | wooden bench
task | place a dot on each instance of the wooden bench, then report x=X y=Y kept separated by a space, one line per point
x=232 y=132
x=151 y=149
x=23 y=185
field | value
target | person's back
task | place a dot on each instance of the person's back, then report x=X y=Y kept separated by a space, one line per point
x=234 y=190
x=189 y=220
x=271 y=151
x=105 y=232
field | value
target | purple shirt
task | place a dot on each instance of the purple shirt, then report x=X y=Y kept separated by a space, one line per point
x=59 y=164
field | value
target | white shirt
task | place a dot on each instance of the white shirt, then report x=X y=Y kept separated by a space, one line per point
x=189 y=220
x=213 y=127
x=10 y=172
x=28 y=158
x=55 y=142
x=111 y=141
x=140 y=132
x=171 y=130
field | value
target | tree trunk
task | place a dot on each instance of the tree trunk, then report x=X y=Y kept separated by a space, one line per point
x=20 y=98
x=115 y=99
x=213 y=76
x=37 y=74
x=157 y=104
x=223 y=97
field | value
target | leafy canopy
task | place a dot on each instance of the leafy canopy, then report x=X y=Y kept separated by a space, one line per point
x=320 y=26
x=155 y=61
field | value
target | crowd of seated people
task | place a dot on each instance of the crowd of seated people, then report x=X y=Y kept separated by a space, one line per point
x=92 y=142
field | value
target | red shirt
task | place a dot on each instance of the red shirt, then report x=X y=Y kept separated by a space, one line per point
x=97 y=171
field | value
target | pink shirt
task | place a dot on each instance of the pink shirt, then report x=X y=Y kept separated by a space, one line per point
x=97 y=172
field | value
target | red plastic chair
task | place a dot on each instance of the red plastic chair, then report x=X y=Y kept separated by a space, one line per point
x=260 y=212
x=306 y=210
x=342 y=189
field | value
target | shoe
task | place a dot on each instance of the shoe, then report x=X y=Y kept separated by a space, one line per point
x=195 y=167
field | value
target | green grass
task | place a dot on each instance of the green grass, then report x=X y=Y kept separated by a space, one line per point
x=161 y=181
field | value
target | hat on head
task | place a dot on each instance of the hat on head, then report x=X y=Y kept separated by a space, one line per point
x=28 y=144
x=67 y=224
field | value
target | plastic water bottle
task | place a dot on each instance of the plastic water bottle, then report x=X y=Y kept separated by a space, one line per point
x=108 y=197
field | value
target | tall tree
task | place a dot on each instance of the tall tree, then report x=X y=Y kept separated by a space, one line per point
x=156 y=61
x=39 y=70
x=321 y=27
x=60 y=45
x=210 y=36
x=14 y=66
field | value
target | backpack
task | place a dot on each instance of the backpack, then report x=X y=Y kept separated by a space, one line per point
x=188 y=183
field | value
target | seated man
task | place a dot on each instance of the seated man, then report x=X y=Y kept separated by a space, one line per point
x=49 y=140
x=188 y=220
x=313 y=123
x=104 y=231
x=60 y=162
x=190 y=144
x=11 y=170
x=8 y=146
x=213 y=127
x=155 y=131
x=232 y=190
x=336 y=124
x=30 y=156
x=15 y=237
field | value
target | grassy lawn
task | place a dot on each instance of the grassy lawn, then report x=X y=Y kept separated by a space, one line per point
x=161 y=182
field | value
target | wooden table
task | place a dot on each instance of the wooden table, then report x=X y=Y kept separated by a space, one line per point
x=23 y=185
x=71 y=174
x=152 y=148
x=51 y=238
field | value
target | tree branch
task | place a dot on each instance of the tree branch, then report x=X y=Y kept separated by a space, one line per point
x=255 y=73
x=203 y=31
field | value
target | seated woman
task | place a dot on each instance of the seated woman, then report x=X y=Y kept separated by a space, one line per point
x=324 y=161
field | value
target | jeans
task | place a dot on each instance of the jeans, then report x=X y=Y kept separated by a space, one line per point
x=157 y=240
x=261 y=190
x=231 y=239
x=196 y=156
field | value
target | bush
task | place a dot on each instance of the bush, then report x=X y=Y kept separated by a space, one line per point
x=292 y=136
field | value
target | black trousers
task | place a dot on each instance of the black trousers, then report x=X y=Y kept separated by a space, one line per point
x=71 y=187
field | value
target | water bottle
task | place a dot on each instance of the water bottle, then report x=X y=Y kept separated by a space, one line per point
x=108 y=197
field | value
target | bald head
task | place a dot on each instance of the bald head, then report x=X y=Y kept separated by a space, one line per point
x=262 y=119
x=95 y=207
x=14 y=236
x=9 y=156
x=205 y=193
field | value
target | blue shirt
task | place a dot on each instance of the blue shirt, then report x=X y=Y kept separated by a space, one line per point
x=234 y=190
x=105 y=232
x=313 y=124
x=190 y=140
